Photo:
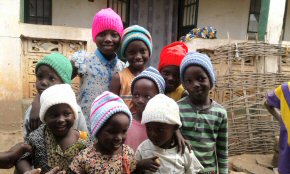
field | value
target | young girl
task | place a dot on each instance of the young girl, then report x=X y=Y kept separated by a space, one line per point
x=144 y=86
x=51 y=70
x=110 y=118
x=96 y=69
x=56 y=142
x=159 y=153
x=204 y=121
x=170 y=59
x=136 y=47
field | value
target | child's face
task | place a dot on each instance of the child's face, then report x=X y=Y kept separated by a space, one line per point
x=171 y=76
x=113 y=133
x=137 y=54
x=59 y=119
x=160 y=134
x=108 y=42
x=143 y=91
x=46 y=77
x=196 y=82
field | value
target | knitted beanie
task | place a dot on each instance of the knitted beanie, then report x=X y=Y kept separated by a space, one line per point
x=59 y=63
x=136 y=32
x=161 y=109
x=172 y=54
x=57 y=94
x=104 y=107
x=151 y=74
x=106 y=19
x=202 y=60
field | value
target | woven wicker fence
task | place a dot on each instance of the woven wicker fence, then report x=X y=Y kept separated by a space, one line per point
x=241 y=87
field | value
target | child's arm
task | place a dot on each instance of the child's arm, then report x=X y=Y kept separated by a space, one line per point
x=34 y=120
x=55 y=170
x=9 y=158
x=115 y=85
x=151 y=164
x=222 y=146
x=23 y=166
x=181 y=142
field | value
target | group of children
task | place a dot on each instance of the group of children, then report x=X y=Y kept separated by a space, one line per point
x=137 y=127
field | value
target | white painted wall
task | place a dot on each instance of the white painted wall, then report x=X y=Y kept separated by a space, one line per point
x=287 y=24
x=75 y=13
x=226 y=16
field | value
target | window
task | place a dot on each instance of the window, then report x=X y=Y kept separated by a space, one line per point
x=254 y=14
x=284 y=20
x=122 y=8
x=37 y=11
x=187 y=18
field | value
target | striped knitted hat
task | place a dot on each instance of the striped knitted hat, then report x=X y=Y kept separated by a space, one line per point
x=135 y=32
x=59 y=63
x=151 y=74
x=104 y=107
x=202 y=60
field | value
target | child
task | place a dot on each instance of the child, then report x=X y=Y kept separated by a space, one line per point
x=96 y=69
x=51 y=70
x=56 y=142
x=279 y=98
x=136 y=47
x=144 y=86
x=10 y=157
x=159 y=153
x=170 y=59
x=110 y=118
x=204 y=121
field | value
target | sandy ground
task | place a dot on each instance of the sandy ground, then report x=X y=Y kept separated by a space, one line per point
x=7 y=140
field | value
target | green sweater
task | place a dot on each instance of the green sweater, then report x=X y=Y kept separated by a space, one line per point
x=207 y=131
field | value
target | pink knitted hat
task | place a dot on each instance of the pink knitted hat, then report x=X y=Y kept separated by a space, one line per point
x=106 y=19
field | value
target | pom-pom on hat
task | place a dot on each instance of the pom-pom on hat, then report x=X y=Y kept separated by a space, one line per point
x=161 y=109
x=172 y=54
x=106 y=19
x=59 y=63
x=104 y=107
x=153 y=75
x=136 y=32
x=202 y=60
x=57 y=94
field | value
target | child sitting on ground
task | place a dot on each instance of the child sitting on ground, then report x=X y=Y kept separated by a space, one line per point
x=96 y=69
x=204 y=121
x=144 y=87
x=55 y=142
x=51 y=70
x=159 y=153
x=136 y=47
x=110 y=120
x=170 y=59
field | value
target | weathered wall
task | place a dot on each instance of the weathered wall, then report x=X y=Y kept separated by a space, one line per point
x=226 y=16
x=75 y=13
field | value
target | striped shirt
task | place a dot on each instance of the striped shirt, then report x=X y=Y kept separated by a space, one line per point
x=207 y=132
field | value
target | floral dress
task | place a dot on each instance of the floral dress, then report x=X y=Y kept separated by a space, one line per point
x=90 y=161
x=96 y=75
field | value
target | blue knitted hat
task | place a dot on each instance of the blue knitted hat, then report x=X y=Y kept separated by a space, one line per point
x=151 y=74
x=202 y=60
x=104 y=107
x=135 y=32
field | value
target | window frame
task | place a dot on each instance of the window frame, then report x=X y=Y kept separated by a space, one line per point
x=111 y=3
x=255 y=12
x=27 y=14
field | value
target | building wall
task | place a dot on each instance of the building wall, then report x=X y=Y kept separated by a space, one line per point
x=75 y=13
x=226 y=16
x=287 y=24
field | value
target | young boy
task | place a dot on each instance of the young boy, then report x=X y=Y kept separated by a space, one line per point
x=159 y=153
x=204 y=121
x=170 y=59
x=279 y=98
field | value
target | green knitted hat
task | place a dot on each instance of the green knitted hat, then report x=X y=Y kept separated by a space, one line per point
x=60 y=64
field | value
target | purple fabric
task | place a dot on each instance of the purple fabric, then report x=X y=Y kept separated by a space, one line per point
x=273 y=100
x=284 y=156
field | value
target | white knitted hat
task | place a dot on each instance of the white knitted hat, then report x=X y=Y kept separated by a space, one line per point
x=57 y=94
x=161 y=109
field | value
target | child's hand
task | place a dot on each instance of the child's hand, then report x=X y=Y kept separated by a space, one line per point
x=34 y=121
x=18 y=150
x=151 y=164
x=181 y=142
x=55 y=170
